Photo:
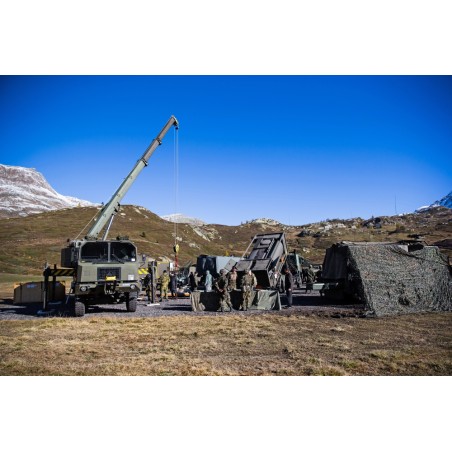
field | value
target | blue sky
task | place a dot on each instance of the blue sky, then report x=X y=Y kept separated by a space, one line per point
x=294 y=148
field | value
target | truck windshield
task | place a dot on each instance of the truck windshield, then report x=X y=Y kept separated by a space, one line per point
x=94 y=251
x=121 y=251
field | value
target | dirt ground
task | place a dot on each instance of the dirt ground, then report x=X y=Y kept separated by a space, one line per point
x=310 y=303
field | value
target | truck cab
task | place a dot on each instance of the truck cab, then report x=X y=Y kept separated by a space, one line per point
x=104 y=270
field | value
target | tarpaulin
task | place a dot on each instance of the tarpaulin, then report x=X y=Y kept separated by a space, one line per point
x=210 y=301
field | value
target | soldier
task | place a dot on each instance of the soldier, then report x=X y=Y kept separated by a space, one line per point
x=288 y=284
x=248 y=282
x=173 y=285
x=232 y=279
x=147 y=285
x=274 y=278
x=164 y=281
x=208 y=282
x=318 y=274
x=221 y=286
x=192 y=280
x=310 y=278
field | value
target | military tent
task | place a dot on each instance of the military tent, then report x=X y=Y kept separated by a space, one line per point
x=390 y=278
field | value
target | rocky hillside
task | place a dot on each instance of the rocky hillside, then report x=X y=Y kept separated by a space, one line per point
x=25 y=191
x=31 y=241
x=181 y=218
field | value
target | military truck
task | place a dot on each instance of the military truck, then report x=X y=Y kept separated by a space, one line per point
x=298 y=265
x=295 y=264
x=107 y=271
x=214 y=264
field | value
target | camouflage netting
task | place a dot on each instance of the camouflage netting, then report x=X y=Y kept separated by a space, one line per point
x=210 y=301
x=389 y=279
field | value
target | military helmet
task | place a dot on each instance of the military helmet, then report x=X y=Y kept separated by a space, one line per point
x=222 y=271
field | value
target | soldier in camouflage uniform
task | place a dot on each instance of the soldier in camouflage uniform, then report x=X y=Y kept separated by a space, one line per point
x=310 y=278
x=248 y=282
x=221 y=286
x=164 y=281
x=147 y=285
x=232 y=279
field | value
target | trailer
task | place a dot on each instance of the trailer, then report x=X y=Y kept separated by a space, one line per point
x=265 y=257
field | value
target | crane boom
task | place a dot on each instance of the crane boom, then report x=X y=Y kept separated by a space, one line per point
x=109 y=210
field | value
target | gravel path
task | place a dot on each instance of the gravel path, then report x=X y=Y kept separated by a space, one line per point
x=305 y=304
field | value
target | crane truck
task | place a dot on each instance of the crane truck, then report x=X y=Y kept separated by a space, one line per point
x=106 y=271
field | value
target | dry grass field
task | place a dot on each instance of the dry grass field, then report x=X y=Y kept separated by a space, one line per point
x=266 y=344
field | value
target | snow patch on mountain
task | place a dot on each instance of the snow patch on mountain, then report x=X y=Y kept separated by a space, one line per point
x=446 y=201
x=25 y=191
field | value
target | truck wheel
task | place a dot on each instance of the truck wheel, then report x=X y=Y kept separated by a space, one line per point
x=79 y=309
x=131 y=305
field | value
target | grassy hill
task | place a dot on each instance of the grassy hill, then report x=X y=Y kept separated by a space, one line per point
x=29 y=242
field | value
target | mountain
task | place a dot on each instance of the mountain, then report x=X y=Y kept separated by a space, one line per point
x=446 y=201
x=34 y=239
x=35 y=223
x=181 y=218
x=25 y=191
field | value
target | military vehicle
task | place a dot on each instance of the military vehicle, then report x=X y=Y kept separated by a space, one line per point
x=295 y=264
x=183 y=274
x=298 y=265
x=214 y=264
x=265 y=257
x=107 y=271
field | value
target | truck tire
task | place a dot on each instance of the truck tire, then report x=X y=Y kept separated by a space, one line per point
x=131 y=305
x=79 y=309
